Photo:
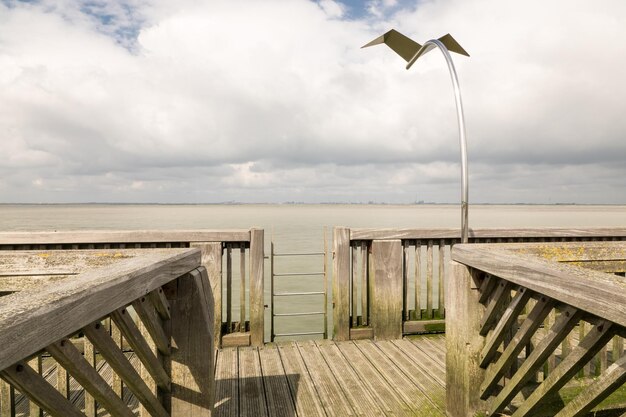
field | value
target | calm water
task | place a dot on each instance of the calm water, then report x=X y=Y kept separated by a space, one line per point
x=298 y=228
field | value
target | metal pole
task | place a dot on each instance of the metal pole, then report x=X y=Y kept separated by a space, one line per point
x=272 y=334
x=461 y=121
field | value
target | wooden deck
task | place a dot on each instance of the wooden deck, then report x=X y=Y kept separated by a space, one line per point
x=325 y=378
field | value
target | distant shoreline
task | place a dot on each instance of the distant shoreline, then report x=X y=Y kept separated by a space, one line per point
x=289 y=203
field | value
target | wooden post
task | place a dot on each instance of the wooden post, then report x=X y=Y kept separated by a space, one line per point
x=212 y=262
x=386 y=297
x=257 y=293
x=192 y=356
x=463 y=342
x=341 y=283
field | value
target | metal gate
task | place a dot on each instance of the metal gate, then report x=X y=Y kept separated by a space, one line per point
x=287 y=295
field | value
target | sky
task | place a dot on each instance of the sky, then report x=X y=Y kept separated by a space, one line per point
x=155 y=101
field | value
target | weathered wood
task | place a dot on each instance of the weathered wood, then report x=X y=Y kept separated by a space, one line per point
x=386 y=397
x=588 y=347
x=229 y=288
x=251 y=392
x=405 y=281
x=123 y=236
x=25 y=379
x=429 y=279
x=501 y=296
x=242 y=288
x=364 y=285
x=361 y=401
x=192 y=338
x=325 y=383
x=226 y=384
x=341 y=283
x=454 y=233
x=70 y=358
x=463 y=342
x=423 y=326
x=141 y=348
x=13 y=283
x=212 y=262
x=277 y=394
x=305 y=396
x=107 y=347
x=613 y=378
x=419 y=376
x=354 y=286
x=435 y=369
x=160 y=303
x=487 y=286
x=91 y=408
x=386 y=295
x=418 y=280
x=48 y=263
x=523 y=336
x=359 y=333
x=563 y=325
x=257 y=294
x=149 y=317
x=64 y=309
x=36 y=364
x=442 y=298
x=406 y=389
x=600 y=294
x=236 y=339
x=7 y=399
x=509 y=316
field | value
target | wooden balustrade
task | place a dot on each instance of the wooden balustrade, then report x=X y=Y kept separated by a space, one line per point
x=162 y=305
x=419 y=262
x=243 y=325
x=530 y=323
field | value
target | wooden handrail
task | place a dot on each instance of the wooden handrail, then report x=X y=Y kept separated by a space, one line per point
x=486 y=233
x=119 y=236
x=173 y=301
x=32 y=320
x=598 y=293
x=490 y=285
x=210 y=242
x=425 y=253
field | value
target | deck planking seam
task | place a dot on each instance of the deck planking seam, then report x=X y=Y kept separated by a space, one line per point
x=326 y=381
x=306 y=390
x=394 y=405
x=434 y=391
x=365 y=404
x=414 y=397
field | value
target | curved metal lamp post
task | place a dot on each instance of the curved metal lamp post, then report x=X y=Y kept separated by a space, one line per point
x=411 y=51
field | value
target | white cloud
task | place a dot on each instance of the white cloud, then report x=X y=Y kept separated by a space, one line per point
x=262 y=101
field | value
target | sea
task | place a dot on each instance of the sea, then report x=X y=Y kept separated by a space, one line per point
x=298 y=228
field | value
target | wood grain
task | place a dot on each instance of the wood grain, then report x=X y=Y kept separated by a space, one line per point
x=386 y=295
x=341 y=283
x=31 y=321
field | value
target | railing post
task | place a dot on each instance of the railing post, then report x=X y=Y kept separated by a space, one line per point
x=257 y=294
x=192 y=324
x=386 y=284
x=212 y=262
x=341 y=283
x=463 y=341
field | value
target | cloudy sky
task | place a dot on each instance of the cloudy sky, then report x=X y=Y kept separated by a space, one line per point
x=193 y=101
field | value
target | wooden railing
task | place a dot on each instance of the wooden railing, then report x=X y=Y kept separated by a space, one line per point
x=235 y=326
x=528 y=322
x=160 y=301
x=389 y=282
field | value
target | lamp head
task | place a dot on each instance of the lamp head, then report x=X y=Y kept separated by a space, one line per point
x=407 y=48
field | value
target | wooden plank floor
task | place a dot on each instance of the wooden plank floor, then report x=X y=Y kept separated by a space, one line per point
x=325 y=378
